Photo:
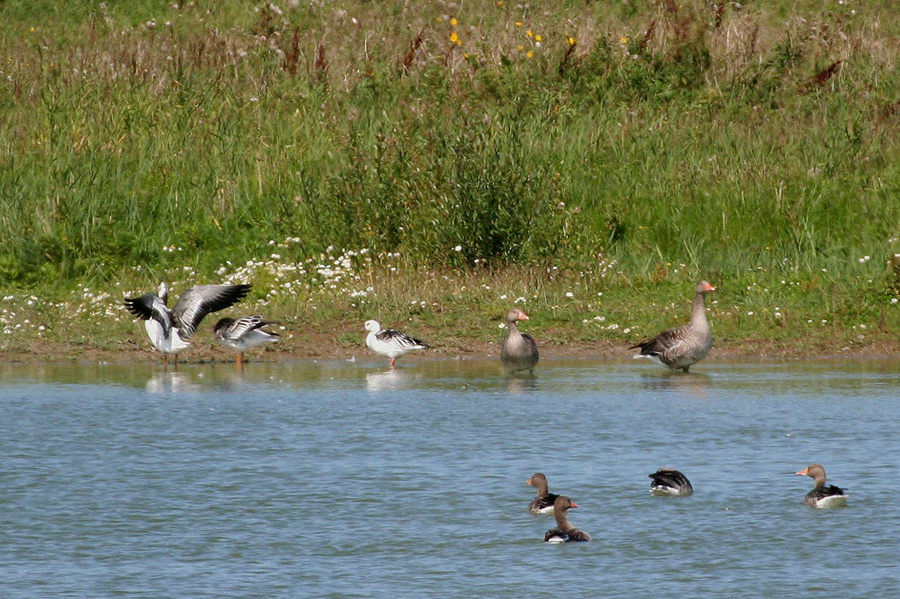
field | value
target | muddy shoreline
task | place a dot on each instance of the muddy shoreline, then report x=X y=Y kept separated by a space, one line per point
x=300 y=349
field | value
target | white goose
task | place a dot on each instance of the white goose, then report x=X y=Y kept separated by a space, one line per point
x=170 y=330
x=242 y=334
x=390 y=343
x=683 y=346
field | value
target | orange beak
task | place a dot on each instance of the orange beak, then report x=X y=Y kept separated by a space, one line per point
x=528 y=482
x=710 y=288
x=574 y=504
x=804 y=472
x=523 y=316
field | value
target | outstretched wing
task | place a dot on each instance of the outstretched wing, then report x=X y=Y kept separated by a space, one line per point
x=201 y=300
x=150 y=306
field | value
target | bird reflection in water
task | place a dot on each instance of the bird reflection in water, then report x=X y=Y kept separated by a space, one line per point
x=694 y=383
x=388 y=380
x=520 y=383
x=167 y=382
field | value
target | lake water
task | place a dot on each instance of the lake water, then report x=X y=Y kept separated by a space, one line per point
x=340 y=479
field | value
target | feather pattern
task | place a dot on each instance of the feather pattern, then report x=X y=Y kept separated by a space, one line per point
x=201 y=300
x=151 y=306
x=244 y=333
x=667 y=481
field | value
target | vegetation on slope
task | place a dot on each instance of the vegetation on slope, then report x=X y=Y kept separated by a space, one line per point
x=463 y=155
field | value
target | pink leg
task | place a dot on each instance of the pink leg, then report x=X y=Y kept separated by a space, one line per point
x=392 y=362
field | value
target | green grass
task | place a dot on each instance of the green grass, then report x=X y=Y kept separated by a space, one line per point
x=631 y=150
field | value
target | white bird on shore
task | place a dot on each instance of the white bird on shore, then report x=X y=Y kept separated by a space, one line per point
x=170 y=330
x=390 y=343
x=242 y=334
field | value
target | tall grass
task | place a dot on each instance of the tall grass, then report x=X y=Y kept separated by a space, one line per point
x=730 y=140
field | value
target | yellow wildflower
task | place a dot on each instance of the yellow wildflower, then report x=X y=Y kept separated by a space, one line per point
x=454 y=22
x=529 y=54
x=623 y=40
x=518 y=23
x=571 y=40
x=454 y=38
x=529 y=33
x=521 y=48
x=538 y=38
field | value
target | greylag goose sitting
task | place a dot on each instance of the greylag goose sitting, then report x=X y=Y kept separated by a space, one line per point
x=242 y=334
x=390 y=343
x=543 y=503
x=684 y=346
x=667 y=481
x=822 y=496
x=564 y=531
x=519 y=351
x=170 y=330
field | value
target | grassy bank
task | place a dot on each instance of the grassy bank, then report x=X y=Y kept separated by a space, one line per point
x=461 y=156
x=322 y=302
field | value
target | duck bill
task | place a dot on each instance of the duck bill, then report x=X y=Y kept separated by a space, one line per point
x=804 y=472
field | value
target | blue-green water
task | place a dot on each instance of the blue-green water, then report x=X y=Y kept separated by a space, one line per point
x=342 y=479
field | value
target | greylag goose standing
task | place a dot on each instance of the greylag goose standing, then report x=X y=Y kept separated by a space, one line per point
x=242 y=334
x=667 y=481
x=543 y=503
x=684 y=346
x=519 y=350
x=390 y=343
x=564 y=531
x=822 y=496
x=170 y=330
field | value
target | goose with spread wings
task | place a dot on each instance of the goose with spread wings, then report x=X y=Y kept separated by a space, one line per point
x=171 y=329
